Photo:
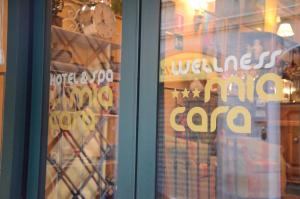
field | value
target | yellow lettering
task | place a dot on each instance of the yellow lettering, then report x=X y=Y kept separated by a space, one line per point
x=53 y=123
x=214 y=115
x=173 y=115
x=250 y=88
x=209 y=85
x=223 y=84
x=241 y=87
x=105 y=97
x=88 y=118
x=233 y=114
x=278 y=83
x=203 y=127
x=65 y=120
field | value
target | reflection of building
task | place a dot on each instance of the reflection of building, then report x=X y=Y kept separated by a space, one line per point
x=263 y=163
x=222 y=20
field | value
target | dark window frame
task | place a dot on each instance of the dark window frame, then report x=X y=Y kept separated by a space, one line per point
x=128 y=99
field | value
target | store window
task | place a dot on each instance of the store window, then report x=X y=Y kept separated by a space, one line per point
x=3 y=41
x=229 y=112
x=84 y=93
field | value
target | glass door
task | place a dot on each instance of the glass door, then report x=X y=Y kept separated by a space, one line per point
x=85 y=67
x=228 y=99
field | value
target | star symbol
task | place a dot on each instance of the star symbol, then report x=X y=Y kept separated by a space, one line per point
x=185 y=93
x=196 y=93
x=175 y=93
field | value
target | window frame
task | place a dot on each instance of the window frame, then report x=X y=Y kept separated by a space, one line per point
x=126 y=168
x=148 y=99
x=16 y=113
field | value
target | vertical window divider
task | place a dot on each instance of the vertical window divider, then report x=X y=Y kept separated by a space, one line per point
x=127 y=142
x=148 y=95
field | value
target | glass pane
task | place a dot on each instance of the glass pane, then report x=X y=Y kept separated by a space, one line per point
x=228 y=123
x=84 y=93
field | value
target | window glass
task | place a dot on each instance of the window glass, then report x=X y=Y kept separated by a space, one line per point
x=229 y=94
x=84 y=93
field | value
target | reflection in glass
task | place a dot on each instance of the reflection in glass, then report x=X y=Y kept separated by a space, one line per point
x=84 y=93
x=229 y=100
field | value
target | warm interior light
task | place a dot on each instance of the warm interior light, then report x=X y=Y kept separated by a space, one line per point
x=288 y=90
x=278 y=19
x=199 y=4
x=285 y=30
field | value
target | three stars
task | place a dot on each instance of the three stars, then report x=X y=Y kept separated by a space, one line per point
x=185 y=93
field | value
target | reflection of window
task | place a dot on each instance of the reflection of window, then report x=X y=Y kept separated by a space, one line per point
x=83 y=102
x=238 y=58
